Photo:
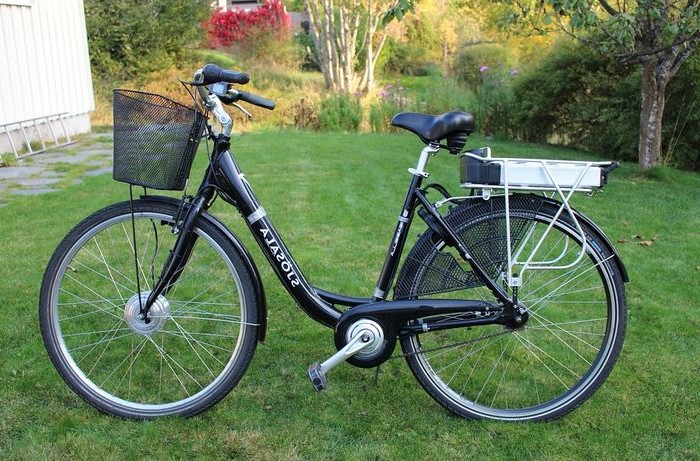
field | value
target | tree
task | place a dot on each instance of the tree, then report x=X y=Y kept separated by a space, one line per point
x=348 y=35
x=657 y=35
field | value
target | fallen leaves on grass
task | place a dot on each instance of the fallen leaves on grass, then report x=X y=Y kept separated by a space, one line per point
x=641 y=240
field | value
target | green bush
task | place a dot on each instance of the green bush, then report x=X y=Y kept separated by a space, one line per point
x=577 y=97
x=340 y=112
x=580 y=98
x=419 y=52
x=471 y=59
x=308 y=54
x=488 y=70
x=398 y=58
x=494 y=102
x=442 y=95
x=132 y=37
x=7 y=160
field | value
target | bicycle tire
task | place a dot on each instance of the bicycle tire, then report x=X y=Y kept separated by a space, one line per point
x=202 y=334
x=577 y=316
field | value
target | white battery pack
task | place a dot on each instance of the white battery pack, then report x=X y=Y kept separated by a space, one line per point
x=548 y=174
x=478 y=168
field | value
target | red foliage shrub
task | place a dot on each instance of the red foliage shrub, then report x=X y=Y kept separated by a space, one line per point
x=228 y=27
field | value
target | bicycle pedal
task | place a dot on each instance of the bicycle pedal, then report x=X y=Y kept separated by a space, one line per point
x=318 y=377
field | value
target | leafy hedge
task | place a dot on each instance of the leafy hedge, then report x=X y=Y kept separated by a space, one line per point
x=576 y=97
x=130 y=37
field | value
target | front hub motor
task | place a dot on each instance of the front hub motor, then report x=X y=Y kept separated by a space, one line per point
x=158 y=315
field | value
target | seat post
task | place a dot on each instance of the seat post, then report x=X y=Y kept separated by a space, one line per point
x=419 y=170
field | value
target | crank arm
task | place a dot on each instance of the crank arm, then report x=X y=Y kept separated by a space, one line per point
x=317 y=371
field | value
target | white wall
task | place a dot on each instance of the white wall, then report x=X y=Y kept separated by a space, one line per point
x=44 y=61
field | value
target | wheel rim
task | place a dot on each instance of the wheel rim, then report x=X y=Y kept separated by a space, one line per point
x=545 y=368
x=169 y=365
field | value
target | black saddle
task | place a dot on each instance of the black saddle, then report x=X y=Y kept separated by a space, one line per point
x=453 y=126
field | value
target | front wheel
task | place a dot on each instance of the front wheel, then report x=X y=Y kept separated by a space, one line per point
x=576 y=313
x=201 y=334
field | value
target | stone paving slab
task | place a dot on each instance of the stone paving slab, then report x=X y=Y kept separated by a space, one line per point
x=40 y=174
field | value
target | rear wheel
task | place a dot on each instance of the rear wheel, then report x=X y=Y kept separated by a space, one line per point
x=576 y=314
x=202 y=332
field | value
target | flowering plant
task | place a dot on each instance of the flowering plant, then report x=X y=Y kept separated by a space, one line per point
x=226 y=27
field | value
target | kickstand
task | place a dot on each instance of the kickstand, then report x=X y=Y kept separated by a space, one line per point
x=375 y=381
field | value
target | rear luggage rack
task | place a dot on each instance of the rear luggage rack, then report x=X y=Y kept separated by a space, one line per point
x=554 y=178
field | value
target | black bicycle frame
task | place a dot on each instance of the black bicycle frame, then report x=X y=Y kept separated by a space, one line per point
x=225 y=177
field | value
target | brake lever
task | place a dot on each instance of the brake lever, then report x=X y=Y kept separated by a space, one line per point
x=248 y=115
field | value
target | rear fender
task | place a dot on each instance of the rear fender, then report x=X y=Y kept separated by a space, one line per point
x=601 y=235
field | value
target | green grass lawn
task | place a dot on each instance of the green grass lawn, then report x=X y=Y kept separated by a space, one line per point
x=335 y=198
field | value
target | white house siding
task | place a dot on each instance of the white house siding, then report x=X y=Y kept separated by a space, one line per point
x=44 y=63
x=245 y=5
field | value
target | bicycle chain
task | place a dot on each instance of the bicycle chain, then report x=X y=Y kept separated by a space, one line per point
x=448 y=346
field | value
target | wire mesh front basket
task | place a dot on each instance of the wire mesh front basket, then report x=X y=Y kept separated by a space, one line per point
x=155 y=140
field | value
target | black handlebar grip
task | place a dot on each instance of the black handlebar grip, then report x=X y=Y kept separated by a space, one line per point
x=211 y=73
x=256 y=100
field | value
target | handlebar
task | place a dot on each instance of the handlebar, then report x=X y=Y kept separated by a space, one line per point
x=211 y=73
